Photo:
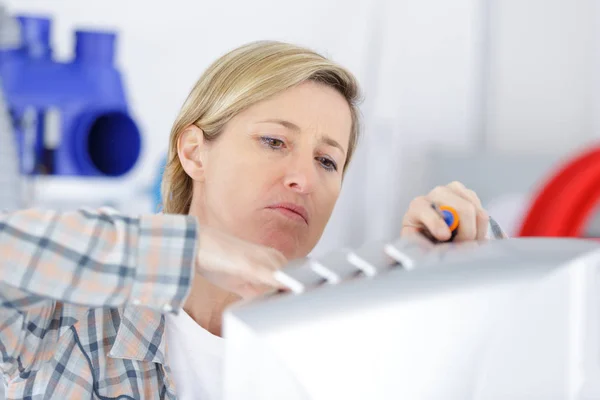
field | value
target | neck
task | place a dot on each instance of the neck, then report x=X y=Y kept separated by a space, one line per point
x=206 y=303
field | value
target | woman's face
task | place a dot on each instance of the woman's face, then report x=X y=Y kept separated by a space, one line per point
x=274 y=174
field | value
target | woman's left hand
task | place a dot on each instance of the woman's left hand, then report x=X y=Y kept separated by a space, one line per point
x=473 y=218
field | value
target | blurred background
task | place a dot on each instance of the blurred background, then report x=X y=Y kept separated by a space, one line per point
x=499 y=95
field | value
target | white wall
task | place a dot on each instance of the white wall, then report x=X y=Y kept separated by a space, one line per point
x=517 y=76
x=418 y=63
x=542 y=90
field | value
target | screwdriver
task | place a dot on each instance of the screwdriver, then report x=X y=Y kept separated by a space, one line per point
x=451 y=218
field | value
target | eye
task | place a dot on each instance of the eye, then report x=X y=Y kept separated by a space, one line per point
x=273 y=143
x=327 y=163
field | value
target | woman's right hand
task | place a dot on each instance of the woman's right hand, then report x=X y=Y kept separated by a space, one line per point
x=243 y=268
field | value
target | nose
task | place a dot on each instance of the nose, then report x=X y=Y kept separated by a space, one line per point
x=301 y=176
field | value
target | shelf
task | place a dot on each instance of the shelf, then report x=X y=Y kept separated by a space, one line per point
x=58 y=192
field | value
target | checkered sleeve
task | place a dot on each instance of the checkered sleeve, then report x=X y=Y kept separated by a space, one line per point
x=96 y=258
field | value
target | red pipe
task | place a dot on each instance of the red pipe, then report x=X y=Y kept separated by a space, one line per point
x=567 y=200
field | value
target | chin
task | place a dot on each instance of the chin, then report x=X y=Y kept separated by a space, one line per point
x=268 y=229
x=290 y=244
x=289 y=247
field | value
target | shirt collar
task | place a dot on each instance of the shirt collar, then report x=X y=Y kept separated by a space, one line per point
x=140 y=336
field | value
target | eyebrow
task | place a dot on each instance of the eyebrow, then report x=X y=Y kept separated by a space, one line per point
x=291 y=126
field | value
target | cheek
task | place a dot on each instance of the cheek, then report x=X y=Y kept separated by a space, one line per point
x=237 y=183
x=326 y=202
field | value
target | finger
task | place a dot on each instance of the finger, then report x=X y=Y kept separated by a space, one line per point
x=263 y=274
x=467 y=194
x=267 y=277
x=482 y=215
x=266 y=256
x=408 y=231
x=482 y=226
x=421 y=215
x=467 y=212
x=411 y=230
x=277 y=259
x=249 y=291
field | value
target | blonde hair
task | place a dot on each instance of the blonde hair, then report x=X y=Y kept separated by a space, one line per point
x=236 y=81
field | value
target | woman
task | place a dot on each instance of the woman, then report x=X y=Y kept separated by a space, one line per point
x=256 y=162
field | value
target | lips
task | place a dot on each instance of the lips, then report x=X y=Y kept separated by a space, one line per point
x=291 y=210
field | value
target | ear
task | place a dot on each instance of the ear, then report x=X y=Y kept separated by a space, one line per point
x=189 y=149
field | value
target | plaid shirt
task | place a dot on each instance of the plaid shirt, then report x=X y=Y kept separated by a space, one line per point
x=83 y=295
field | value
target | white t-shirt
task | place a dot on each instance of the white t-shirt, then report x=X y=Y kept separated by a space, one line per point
x=195 y=357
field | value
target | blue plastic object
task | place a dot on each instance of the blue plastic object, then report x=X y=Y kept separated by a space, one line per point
x=448 y=217
x=70 y=118
x=451 y=219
